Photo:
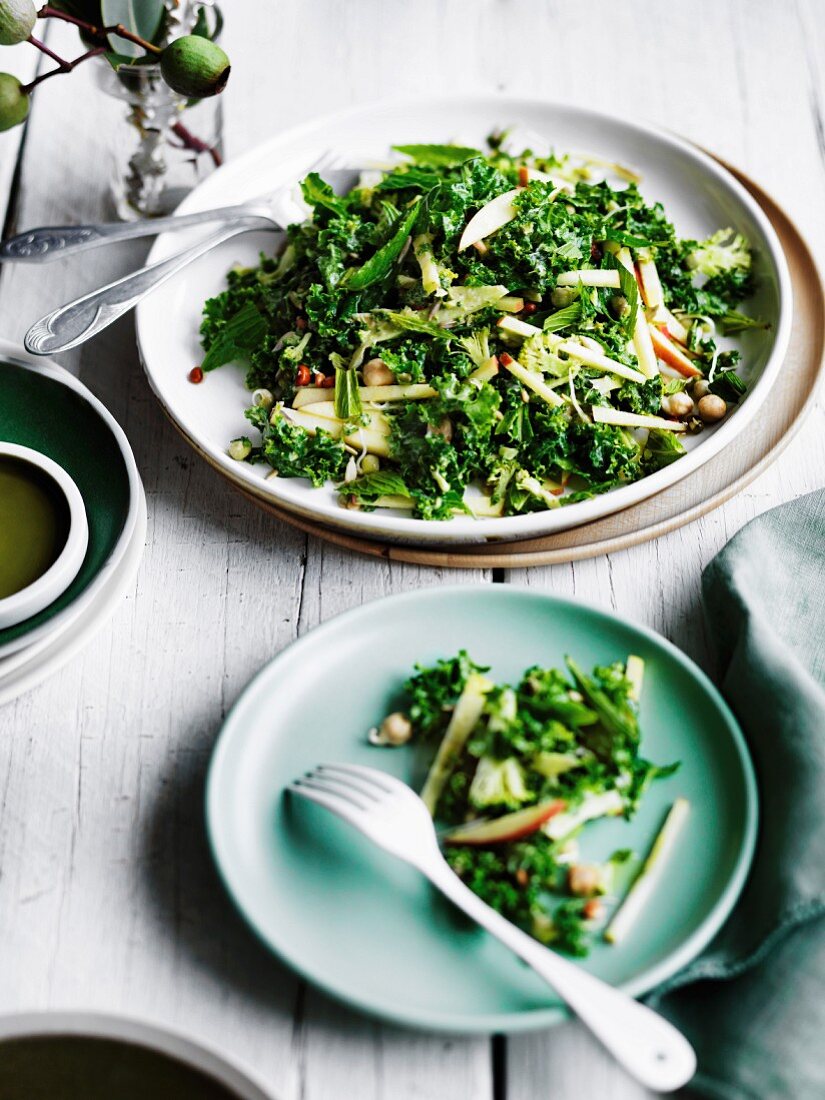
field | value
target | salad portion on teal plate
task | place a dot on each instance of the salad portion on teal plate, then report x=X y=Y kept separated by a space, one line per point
x=371 y=931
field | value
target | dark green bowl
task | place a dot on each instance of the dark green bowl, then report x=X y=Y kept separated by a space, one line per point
x=44 y=407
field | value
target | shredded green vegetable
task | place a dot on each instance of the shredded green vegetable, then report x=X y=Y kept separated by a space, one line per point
x=525 y=291
x=515 y=773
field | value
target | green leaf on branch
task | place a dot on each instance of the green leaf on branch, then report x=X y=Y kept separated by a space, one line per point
x=202 y=25
x=87 y=10
x=118 y=59
x=141 y=17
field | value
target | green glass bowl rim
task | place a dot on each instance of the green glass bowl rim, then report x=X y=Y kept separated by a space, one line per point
x=506 y=1022
x=15 y=356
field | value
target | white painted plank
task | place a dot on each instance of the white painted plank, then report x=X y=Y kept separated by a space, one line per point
x=101 y=841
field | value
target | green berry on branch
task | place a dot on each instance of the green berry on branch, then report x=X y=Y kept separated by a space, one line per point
x=195 y=67
x=17 y=19
x=14 y=103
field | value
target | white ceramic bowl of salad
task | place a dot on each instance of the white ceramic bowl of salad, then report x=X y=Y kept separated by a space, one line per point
x=699 y=197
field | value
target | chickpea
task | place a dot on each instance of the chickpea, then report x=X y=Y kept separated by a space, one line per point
x=377 y=373
x=712 y=408
x=701 y=388
x=443 y=428
x=584 y=880
x=396 y=729
x=678 y=404
x=370 y=464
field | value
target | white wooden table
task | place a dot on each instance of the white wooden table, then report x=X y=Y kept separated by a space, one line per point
x=108 y=898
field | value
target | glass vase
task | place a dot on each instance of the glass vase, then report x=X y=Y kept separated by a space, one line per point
x=167 y=145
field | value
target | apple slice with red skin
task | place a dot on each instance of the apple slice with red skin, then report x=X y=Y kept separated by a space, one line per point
x=513 y=826
x=671 y=326
x=669 y=353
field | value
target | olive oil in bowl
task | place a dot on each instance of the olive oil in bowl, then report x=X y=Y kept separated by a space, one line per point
x=34 y=524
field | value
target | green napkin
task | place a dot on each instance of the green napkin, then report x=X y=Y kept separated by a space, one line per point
x=753 y=1003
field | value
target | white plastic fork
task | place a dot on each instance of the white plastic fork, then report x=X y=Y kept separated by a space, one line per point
x=392 y=815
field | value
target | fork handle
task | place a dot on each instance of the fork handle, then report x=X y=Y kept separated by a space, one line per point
x=649 y=1048
x=52 y=242
x=76 y=322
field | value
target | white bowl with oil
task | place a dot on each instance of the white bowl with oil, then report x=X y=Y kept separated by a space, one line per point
x=44 y=532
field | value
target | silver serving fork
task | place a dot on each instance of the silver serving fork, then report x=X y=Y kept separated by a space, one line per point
x=393 y=816
x=79 y=320
x=54 y=242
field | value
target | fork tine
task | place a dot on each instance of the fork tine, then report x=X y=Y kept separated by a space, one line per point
x=343 y=807
x=333 y=777
x=331 y=786
x=372 y=776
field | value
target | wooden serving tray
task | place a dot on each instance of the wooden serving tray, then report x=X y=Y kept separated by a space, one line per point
x=719 y=479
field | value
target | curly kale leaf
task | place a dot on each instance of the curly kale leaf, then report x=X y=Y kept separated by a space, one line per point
x=641 y=397
x=603 y=454
x=437 y=469
x=434 y=691
x=294 y=452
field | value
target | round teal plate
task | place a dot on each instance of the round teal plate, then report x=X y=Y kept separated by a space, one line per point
x=44 y=407
x=369 y=929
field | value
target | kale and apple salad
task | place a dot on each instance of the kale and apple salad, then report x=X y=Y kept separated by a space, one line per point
x=482 y=333
x=515 y=773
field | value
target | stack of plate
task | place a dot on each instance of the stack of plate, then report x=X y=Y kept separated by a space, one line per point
x=46 y=409
x=699 y=194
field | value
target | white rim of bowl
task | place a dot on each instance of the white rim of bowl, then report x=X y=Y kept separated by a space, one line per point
x=129 y=1029
x=402 y=529
x=28 y=601
x=19 y=357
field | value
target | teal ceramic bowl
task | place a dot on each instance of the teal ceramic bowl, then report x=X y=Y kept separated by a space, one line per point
x=368 y=929
x=45 y=408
